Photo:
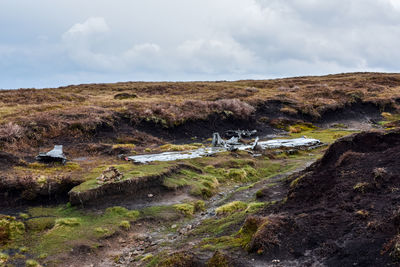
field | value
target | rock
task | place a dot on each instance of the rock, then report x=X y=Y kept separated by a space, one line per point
x=109 y=175
x=141 y=237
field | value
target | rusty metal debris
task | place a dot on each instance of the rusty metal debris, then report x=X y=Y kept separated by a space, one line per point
x=54 y=155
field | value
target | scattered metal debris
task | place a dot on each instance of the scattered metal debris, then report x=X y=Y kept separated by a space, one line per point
x=220 y=145
x=240 y=133
x=54 y=155
x=217 y=141
x=227 y=144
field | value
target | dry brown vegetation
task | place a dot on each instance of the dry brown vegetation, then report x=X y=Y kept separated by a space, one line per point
x=80 y=111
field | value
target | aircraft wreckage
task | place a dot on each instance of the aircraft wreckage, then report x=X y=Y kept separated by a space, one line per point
x=232 y=144
x=54 y=155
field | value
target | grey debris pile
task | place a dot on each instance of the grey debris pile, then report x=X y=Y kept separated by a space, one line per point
x=230 y=144
x=54 y=155
x=240 y=133
x=221 y=145
x=111 y=174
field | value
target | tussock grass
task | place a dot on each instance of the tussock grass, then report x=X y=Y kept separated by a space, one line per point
x=231 y=207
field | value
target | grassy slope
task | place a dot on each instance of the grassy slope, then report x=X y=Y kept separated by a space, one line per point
x=33 y=116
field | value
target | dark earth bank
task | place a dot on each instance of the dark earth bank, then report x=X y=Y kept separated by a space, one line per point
x=344 y=210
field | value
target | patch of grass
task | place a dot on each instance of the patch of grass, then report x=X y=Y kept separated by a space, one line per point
x=361 y=187
x=231 y=231
x=237 y=163
x=41 y=168
x=10 y=229
x=237 y=175
x=164 y=213
x=218 y=260
x=239 y=239
x=267 y=169
x=101 y=230
x=23 y=215
x=296 y=181
x=186 y=209
x=54 y=230
x=125 y=225
x=176 y=259
x=172 y=147
x=202 y=185
x=255 y=206
x=324 y=135
x=219 y=226
x=32 y=263
x=148 y=257
x=71 y=222
x=231 y=208
x=40 y=224
x=199 y=205
x=3 y=258
x=154 y=261
x=302 y=127
x=242 y=188
x=129 y=171
x=128 y=146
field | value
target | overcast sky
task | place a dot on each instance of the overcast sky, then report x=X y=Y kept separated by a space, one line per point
x=47 y=43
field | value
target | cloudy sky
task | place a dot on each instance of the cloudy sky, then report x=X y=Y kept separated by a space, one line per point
x=47 y=43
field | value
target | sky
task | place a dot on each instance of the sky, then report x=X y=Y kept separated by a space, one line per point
x=47 y=43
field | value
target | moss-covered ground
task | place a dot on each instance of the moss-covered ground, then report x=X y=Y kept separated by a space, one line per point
x=129 y=171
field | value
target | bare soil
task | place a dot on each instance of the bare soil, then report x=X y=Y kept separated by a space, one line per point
x=341 y=211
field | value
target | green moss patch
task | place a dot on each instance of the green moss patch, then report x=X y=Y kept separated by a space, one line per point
x=172 y=147
x=204 y=185
x=324 y=135
x=58 y=229
x=41 y=168
x=164 y=213
x=129 y=171
x=127 y=146
x=188 y=209
x=10 y=229
x=231 y=207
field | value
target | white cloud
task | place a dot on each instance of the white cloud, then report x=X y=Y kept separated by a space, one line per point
x=90 y=26
x=215 y=56
x=87 y=42
x=197 y=39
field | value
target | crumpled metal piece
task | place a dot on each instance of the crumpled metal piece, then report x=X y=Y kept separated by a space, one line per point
x=54 y=155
